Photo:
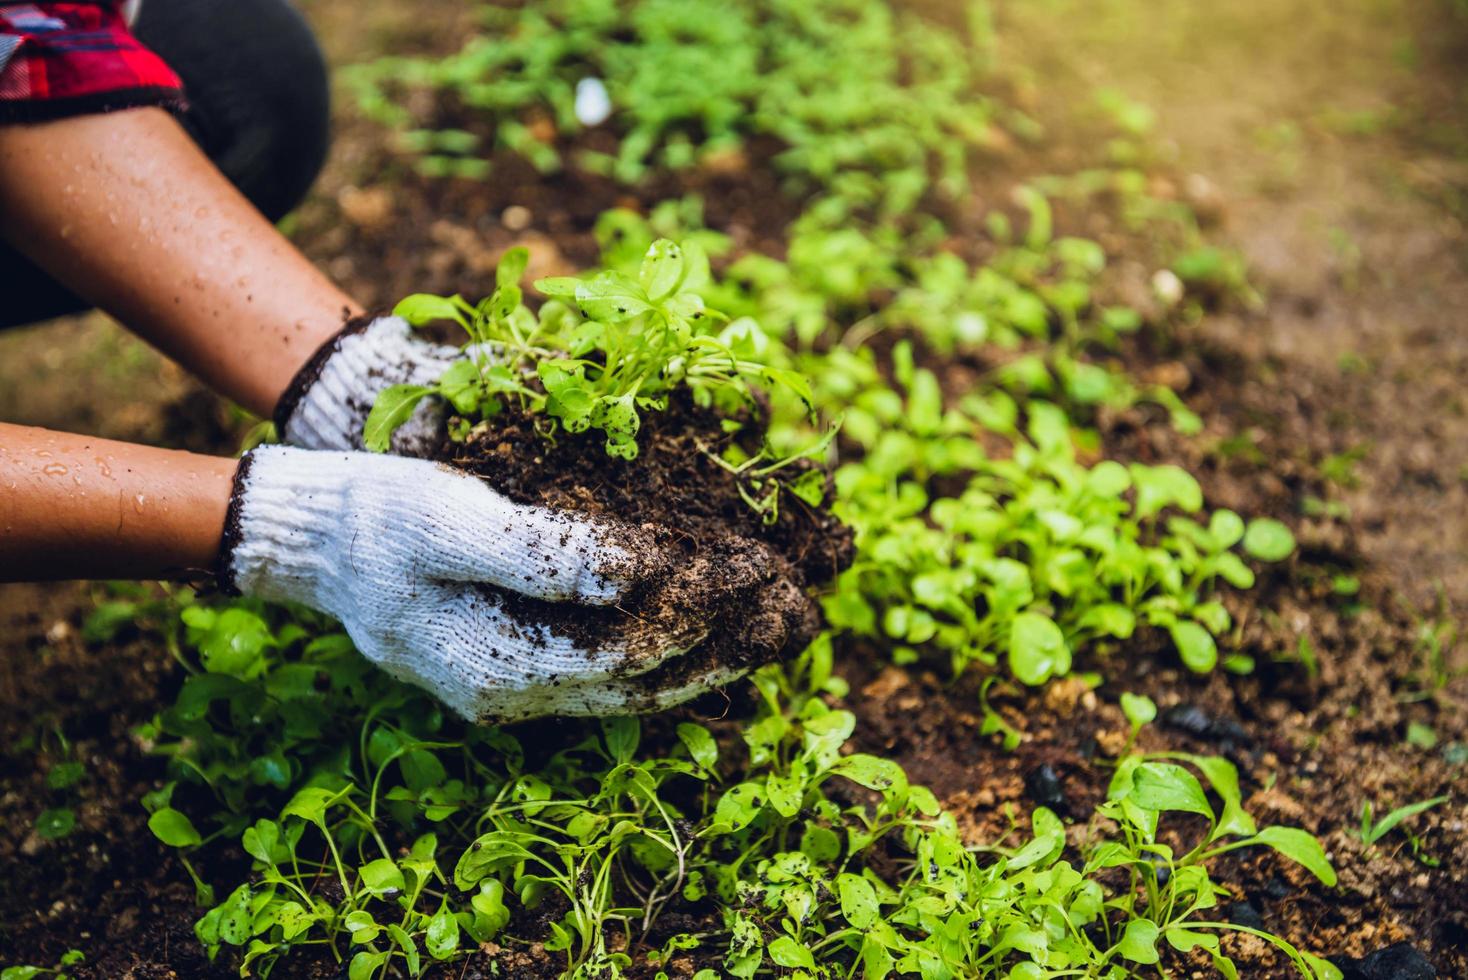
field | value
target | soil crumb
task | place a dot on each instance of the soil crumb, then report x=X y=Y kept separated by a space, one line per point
x=733 y=589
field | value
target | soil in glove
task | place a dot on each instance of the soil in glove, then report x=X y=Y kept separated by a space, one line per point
x=744 y=586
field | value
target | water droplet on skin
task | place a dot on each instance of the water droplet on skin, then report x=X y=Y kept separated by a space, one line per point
x=139 y=502
x=103 y=467
x=54 y=469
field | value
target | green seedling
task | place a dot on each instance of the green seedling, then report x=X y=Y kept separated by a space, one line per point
x=61 y=971
x=1373 y=830
x=1039 y=555
x=874 y=105
x=603 y=350
x=815 y=857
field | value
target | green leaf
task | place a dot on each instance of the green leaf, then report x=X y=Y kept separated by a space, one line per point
x=1166 y=786
x=789 y=953
x=53 y=824
x=1139 y=941
x=459 y=385
x=407 y=945
x=365 y=964
x=1109 y=619
x=442 y=937
x=393 y=407
x=310 y=804
x=1324 y=969
x=622 y=735
x=1268 y=540
x=1139 y=709
x=511 y=268
x=235 y=919
x=1195 y=645
x=173 y=828
x=858 y=900
x=1037 y=649
x=559 y=287
x=490 y=913
x=421 y=308
x=1164 y=486
x=362 y=926
x=381 y=877
x=1045 y=845
x=663 y=269
x=1226 y=528
x=784 y=793
x=232 y=642
x=1389 y=822
x=1185 y=940
x=871 y=771
x=1223 y=776
x=1231 y=569
x=820 y=844
x=1301 y=847
x=700 y=744
x=739 y=805
x=612 y=298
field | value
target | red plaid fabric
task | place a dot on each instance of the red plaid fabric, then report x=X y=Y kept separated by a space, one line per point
x=62 y=59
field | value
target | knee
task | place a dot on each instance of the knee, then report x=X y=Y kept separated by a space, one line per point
x=258 y=91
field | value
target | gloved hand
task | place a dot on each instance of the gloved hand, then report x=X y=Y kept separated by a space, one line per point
x=326 y=405
x=424 y=566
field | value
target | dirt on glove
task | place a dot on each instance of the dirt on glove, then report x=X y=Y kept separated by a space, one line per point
x=724 y=571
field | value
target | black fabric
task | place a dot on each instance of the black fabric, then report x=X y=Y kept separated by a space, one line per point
x=258 y=106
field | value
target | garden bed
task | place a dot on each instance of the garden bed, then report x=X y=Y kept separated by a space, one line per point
x=1344 y=704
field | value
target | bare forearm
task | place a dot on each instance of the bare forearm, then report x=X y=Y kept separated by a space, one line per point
x=76 y=507
x=125 y=210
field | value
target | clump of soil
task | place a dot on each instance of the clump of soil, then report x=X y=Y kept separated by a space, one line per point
x=735 y=588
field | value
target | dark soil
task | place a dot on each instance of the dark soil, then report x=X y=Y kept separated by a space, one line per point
x=721 y=569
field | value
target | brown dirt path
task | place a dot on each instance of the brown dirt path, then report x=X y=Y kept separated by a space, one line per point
x=1335 y=138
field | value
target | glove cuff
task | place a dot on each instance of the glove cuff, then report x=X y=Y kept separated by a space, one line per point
x=285 y=504
x=326 y=405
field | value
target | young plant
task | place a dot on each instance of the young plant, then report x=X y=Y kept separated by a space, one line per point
x=1036 y=555
x=391 y=838
x=60 y=971
x=600 y=352
x=1373 y=830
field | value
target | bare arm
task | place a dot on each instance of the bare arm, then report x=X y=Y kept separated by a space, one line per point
x=125 y=210
x=76 y=507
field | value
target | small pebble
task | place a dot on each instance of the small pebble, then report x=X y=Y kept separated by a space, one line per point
x=1399 y=961
x=1167 y=287
x=1245 y=914
x=1043 y=785
x=516 y=217
x=593 y=105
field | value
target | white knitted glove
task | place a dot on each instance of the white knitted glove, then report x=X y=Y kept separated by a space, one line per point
x=326 y=405
x=426 y=569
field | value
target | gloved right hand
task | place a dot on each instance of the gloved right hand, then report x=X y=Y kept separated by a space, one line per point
x=326 y=405
x=401 y=552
